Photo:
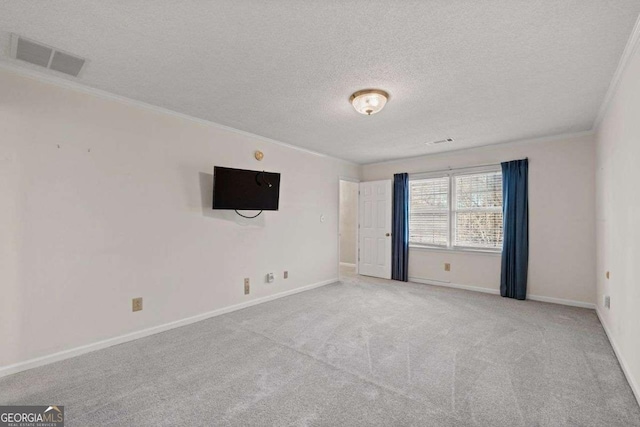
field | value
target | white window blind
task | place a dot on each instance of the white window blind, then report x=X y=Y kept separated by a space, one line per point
x=460 y=209
x=478 y=210
x=429 y=211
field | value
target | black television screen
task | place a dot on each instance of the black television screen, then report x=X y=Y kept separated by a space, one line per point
x=242 y=189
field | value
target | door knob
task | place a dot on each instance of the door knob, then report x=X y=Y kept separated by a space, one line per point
x=388 y=234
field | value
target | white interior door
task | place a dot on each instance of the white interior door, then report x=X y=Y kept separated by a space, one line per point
x=374 y=257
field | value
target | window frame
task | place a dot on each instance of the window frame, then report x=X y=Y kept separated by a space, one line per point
x=451 y=174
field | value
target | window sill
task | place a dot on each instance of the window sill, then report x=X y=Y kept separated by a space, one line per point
x=457 y=250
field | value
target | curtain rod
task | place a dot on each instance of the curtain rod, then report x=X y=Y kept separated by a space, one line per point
x=448 y=169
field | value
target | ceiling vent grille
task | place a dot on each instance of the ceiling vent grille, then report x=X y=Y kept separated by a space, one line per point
x=440 y=141
x=45 y=56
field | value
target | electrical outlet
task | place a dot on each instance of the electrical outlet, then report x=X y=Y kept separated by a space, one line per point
x=447 y=266
x=286 y=275
x=136 y=304
x=246 y=286
x=270 y=277
x=607 y=301
x=607 y=274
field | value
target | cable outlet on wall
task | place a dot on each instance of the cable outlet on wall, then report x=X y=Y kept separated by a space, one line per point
x=246 y=286
x=270 y=277
x=136 y=304
x=447 y=266
x=607 y=301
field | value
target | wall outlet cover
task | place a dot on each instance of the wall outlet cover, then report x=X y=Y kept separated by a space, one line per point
x=286 y=274
x=136 y=304
x=247 y=287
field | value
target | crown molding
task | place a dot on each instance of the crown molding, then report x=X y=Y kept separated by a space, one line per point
x=73 y=85
x=627 y=54
x=556 y=137
x=632 y=45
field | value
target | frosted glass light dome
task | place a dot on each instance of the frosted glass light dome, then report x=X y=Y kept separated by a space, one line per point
x=369 y=101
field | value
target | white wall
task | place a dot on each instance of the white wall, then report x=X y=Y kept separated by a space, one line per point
x=561 y=218
x=348 y=221
x=103 y=201
x=618 y=220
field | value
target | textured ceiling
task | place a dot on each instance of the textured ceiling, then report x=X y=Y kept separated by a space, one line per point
x=480 y=72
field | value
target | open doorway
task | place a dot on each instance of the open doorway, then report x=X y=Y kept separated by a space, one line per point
x=348 y=228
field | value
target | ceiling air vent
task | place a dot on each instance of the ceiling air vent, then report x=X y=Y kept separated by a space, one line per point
x=45 y=56
x=440 y=141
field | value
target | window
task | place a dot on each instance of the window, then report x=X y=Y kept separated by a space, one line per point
x=459 y=209
x=429 y=211
x=478 y=210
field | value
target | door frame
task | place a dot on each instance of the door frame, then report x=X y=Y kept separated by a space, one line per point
x=356 y=181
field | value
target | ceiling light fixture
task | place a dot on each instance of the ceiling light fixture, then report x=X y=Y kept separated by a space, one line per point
x=369 y=101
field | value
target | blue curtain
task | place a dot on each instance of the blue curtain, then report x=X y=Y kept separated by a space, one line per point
x=400 y=235
x=515 y=249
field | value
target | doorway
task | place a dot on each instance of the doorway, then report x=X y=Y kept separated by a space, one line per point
x=348 y=228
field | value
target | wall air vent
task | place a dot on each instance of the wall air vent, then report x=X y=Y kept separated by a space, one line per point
x=440 y=141
x=45 y=56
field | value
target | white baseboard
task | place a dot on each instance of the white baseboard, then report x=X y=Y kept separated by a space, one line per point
x=561 y=301
x=77 y=351
x=635 y=387
x=454 y=285
x=348 y=264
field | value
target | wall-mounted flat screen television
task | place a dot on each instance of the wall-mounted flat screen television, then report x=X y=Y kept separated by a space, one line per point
x=242 y=189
